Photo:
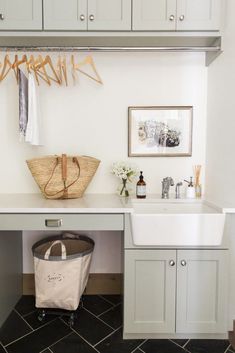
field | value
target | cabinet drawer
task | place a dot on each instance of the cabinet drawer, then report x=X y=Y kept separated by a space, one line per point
x=61 y=221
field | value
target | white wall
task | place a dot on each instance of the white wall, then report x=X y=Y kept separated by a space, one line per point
x=91 y=119
x=220 y=162
x=220 y=171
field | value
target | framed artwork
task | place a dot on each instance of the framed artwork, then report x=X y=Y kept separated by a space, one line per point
x=160 y=131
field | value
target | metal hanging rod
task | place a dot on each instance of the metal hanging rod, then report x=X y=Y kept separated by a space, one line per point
x=112 y=49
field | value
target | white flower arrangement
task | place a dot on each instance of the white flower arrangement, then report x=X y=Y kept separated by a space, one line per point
x=126 y=172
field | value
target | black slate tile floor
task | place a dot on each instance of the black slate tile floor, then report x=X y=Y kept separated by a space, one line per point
x=98 y=329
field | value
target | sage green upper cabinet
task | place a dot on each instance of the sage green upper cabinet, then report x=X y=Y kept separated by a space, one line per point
x=91 y=15
x=154 y=15
x=176 y=15
x=67 y=15
x=20 y=15
x=109 y=15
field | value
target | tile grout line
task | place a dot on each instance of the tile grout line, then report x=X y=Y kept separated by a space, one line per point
x=100 y=295
x=185 y=349
x=29 y=333
x=178 y=345
x=98 y=318
x=186 y=343
x=138 y=347
x=107 y=336
x=1 y=345
x=81 y=336
x=228 y=348
x=30 y=313
x=113 y=307
x=59 y=340
x=24 y=319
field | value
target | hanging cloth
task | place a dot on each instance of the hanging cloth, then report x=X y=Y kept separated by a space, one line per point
x=34 y=126
x=23 y=104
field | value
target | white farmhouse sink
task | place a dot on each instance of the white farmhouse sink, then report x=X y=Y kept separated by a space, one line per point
x=176 y=223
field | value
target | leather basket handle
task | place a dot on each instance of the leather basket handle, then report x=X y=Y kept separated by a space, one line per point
x=64 y=167
x=64 y=176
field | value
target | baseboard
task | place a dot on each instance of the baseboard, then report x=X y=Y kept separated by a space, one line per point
x=98 y=283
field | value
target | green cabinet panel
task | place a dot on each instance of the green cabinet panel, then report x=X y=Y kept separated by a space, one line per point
x=66 y=15
x=149 y=291
x=20 y=15
x=176 y=15
x=175 y=292
x=10 y=272
x=202 y=291
x=91 y=15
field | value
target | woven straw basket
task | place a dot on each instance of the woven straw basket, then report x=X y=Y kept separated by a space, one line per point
x=63 y=177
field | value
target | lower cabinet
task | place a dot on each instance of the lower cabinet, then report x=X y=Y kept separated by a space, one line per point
x=175 y=291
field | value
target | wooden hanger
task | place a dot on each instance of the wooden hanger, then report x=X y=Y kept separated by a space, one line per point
x=73 y=70
x=64 y=70
x=32 y=65
x=48 y=61
x=17 y=63
x=89 y=61
x=6 y=67
x=43 y=74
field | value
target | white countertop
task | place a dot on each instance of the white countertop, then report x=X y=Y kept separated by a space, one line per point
x=89 y=203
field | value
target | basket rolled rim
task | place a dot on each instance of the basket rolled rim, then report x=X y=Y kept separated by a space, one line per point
x=63 y=237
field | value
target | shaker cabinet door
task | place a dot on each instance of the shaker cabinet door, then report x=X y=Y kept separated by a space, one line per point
x=201 y=291
x=154 y=15
x=20 y=15
x=199 y=15
x=65 y=15
x=149 y=291
x=109 y=15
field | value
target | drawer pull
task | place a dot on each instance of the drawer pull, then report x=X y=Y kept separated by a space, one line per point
x=2 y=17
x=183 y=263
x=172 y=263
x=53 y=222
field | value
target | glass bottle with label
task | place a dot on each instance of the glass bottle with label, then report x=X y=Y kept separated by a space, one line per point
x=141 y=187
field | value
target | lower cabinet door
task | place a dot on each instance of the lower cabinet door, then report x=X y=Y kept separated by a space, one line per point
x=149 y=291
x=201 y=291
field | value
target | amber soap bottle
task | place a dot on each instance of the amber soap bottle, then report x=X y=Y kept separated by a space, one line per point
x=141 y=187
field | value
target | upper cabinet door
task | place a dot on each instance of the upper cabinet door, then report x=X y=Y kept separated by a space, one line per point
x=21 y=15
x=109 y=15
x=65 y=15
x=199 y=15
x=154 y=15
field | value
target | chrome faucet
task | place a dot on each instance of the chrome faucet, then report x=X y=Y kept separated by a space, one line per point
x=177 y=190
x=166 y=183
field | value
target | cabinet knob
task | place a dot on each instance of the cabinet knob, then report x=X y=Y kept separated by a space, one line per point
x=172 y=17
x=2 y=17
x=183 y=263
x=91 y=17
x=181 y=18
x=82 y=17
x=172 y=263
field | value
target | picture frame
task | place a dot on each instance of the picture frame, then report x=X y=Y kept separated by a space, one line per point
x=160 y=131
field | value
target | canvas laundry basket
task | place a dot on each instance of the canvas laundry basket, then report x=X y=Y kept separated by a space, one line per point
x=61 y=265
x=63 y=177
